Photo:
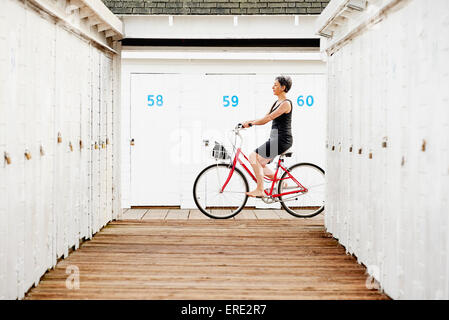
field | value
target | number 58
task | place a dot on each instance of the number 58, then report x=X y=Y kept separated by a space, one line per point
x=159 y=100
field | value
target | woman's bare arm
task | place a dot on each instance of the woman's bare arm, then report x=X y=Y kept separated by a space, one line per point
x=283 y=108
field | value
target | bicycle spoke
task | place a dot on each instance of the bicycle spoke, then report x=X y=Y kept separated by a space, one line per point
x=305 y=204
x=314 y=186
x=208 y=191
x=220 y=184
x=240 y=192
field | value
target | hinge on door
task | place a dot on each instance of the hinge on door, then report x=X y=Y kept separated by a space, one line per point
x=7 y=158
x=27 y=154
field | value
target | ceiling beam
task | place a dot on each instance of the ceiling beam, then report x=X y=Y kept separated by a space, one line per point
x=103 y=26
x=109 y=33
x=93 y=21
x=85 y=12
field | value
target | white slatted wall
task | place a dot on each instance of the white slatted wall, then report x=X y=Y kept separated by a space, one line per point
x=52 y=82
x=390 y=84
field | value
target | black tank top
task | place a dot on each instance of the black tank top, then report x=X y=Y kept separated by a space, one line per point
x=282 y=126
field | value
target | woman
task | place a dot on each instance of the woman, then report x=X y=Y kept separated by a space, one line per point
x=281 y=138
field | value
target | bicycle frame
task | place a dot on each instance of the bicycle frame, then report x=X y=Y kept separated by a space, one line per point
x=279 y=165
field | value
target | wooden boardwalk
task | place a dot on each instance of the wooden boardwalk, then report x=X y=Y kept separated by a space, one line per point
x=259 y=255
x=193 y=214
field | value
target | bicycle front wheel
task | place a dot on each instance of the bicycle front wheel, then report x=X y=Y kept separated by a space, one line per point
x=299 y=203
x=209 y=198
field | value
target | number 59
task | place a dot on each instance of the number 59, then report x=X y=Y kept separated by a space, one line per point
x=234 y=100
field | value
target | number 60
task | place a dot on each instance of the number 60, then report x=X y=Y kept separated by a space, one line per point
x=309 y=101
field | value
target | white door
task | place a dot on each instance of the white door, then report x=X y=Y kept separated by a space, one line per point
x=105 y=110
x=232 y=101
x=155 y=155
x=308 y=95
x=95 y=146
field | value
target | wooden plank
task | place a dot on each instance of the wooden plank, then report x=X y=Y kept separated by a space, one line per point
x=284 y=214
x=210 y=259
x=316 y=220
x=265 y=214
x=134 y=214
x=155 y=207
x=196 y=214
x=222 y=212
x=182 y=214
x=246 y=215
x=155 y=214
x=194 y=294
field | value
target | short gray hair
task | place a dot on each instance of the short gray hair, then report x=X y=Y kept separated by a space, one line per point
x=285 y=81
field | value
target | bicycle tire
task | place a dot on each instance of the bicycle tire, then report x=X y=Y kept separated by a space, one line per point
x=210 y=214
x=293 y=213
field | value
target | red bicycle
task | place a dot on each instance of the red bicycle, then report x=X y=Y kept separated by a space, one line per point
x=220 y=189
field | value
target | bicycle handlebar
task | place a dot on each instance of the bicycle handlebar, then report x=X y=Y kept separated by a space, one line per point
x=236 y=131
x=239 y=126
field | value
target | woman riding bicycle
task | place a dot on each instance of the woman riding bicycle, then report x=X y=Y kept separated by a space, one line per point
x=221 y=190
x=281 y=138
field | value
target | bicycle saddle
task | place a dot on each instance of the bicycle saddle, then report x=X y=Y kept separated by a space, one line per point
x=287 y=154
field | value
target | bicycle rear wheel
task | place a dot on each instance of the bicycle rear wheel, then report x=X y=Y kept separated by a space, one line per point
x=209 y=198
x=303 y=204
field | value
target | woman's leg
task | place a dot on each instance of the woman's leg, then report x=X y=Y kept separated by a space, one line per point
x=258 y=163
x=268 y=172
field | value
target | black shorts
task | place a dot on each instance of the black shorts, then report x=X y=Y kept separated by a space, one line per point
x=273 y=148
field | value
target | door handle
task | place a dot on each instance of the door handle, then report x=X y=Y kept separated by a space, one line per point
x=132 y=142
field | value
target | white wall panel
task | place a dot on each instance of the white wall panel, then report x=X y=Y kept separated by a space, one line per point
x=192 y=133
x=116 y=133
x=46 y=89
x=105 y=111
x=82 y=145
x=95 y=144
x=387 y=204
x=15 y=147
x=3 y=182
x=108 y=97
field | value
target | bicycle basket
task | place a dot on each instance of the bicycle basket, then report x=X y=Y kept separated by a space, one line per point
x=219 y=152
